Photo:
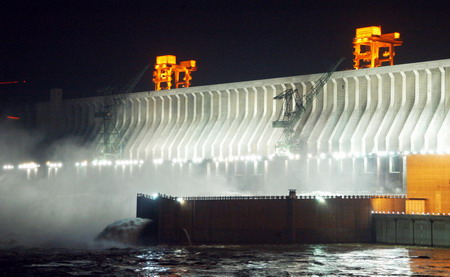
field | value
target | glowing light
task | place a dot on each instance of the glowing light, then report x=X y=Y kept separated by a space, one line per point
x=128 y=162
x=254 y=158
x=309 y=156
x=323 y=155
x=30 y=165
x=8 y=167
x=102 y=163
x=54 y=164
x=320 y=199
x=11 y=82
x=157 y=161
x=155 y=195
x=197 y=160
x=339 y=155
x=180 y=200
x=81 y=164
x=13 y=117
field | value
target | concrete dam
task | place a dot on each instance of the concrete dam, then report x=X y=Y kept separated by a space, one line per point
x=356 y=135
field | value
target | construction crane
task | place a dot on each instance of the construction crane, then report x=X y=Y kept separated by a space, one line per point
x=294 y=107
x=109 y=144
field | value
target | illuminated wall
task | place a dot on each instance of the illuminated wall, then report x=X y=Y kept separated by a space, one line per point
x=428 y=178
x=360 y=128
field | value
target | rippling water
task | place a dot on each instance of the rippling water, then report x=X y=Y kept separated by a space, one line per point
x=286 y=260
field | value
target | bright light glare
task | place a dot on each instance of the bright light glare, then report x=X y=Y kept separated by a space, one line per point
x=81 y=164
x=129 y=162
x=54 y=164
x=8 y=167
x=157 y=161
x=197 y=160
x=30 y=165
x=101 y=163
x=180 y=200
x=320 y=199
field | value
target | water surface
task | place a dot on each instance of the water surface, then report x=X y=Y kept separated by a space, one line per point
x=278 y=260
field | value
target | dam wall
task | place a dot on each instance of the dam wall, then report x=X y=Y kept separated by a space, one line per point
x=356 y=136
x=386 y=109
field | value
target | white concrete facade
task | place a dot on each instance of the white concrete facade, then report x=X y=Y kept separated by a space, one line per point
x=402 y=108
x=362 y=117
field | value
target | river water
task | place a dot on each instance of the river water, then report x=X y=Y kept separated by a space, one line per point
x=278 y=260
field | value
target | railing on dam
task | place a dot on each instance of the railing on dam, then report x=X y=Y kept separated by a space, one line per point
x=269 y=197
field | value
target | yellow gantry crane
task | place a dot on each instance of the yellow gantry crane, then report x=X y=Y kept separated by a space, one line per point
x=167 y=70
x=372 y=48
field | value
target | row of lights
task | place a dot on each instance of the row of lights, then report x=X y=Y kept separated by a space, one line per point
x=291 y=156
x=30 y=165
x=51 y=164
x=54 y=164
x=100 y=163
x=423 y=213
x=344 y=155
x=179 y=199
x=197 y=160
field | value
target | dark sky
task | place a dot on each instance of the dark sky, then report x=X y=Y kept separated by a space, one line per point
x=83 y=46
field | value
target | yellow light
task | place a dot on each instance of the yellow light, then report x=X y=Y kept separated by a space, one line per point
x=169 y=59
x=367 y=32
x=190 y=63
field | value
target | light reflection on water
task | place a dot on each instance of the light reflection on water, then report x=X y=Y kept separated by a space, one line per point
x=281 y=260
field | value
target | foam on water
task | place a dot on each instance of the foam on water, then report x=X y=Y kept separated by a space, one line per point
x=128 y=231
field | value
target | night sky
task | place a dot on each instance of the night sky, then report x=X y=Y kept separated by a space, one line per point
x=84 y=46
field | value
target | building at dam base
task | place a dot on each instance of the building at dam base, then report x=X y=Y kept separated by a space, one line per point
x=355 y=138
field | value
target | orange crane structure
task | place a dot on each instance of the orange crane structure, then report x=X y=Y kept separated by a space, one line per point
x=372 y=48
x=167 y=70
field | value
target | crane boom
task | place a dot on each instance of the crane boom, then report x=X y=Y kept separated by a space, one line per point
x=109 y=144
x=294 y=107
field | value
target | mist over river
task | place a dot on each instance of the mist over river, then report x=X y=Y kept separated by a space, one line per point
x=50 y=217
x=264 y=260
